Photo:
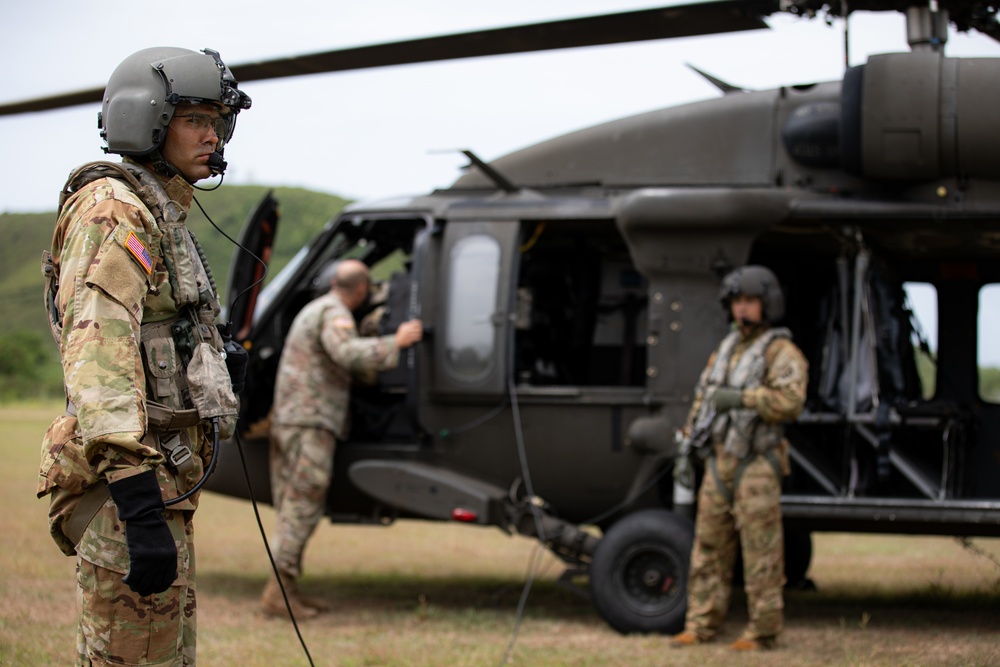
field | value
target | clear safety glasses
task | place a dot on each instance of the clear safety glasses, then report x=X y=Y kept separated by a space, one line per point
x=202 y=122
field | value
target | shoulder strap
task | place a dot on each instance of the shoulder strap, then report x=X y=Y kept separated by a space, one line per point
x=749 y=370
x=720 y=367
x=144 y=184
x=91 y=172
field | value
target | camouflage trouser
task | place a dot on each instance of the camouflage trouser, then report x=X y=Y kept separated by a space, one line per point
x=301 y=471
x=117 y=626
x=753 y=515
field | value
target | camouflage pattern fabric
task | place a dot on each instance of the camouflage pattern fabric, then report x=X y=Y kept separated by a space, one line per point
x=779 y=396
x=754 y=516
x=749 y=507
x=323 y=354
x=301 y=472
x=114 y=285
x=377 y=298
x=117 y=626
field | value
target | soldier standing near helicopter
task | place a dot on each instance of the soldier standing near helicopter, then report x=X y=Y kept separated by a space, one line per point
x=323 y=354
x=754 y=380
x=149 y=386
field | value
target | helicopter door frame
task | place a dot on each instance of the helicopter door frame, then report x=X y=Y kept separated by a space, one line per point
x=471 y=351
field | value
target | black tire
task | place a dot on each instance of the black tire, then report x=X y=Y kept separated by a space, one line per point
x=639 y=575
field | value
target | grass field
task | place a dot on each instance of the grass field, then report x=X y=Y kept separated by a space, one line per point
x=424 y=594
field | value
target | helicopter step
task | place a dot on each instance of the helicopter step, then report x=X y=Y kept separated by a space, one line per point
x=445 y=495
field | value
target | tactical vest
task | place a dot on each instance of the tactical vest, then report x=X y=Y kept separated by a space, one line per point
x=741 y=430
x=183 y=358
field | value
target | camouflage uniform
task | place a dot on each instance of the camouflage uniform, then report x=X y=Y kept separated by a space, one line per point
x=323 y=354
x=740 y=495
x=379 y=296
x=119 y=288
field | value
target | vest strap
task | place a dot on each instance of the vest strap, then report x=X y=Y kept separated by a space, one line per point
x=85 y=511
x=730 y=493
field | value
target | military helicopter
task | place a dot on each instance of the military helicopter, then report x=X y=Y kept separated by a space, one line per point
x=569 y=293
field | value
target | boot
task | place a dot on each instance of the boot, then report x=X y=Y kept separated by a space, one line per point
x=274 y=604
x=746 y=644
x=686 y=638
x=319 y=604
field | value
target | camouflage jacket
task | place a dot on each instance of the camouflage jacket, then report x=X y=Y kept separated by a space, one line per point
x=117 y=284
x=323 y=354
x=773 y=393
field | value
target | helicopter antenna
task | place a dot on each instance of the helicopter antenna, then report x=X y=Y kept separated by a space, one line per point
x=726 y=88
x=492 y=173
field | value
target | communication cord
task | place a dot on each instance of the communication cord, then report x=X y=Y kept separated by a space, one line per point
x=529 y=579
x=208 y=471
x=267 y=548
x=530 y=490
x=208 y=270
x=529 y=487
x=239 y=441
x=475 y=423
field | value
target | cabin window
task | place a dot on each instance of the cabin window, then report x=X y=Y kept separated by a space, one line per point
x=921 y=300
x=581 y=307
x=988 y=343
x=470 y=336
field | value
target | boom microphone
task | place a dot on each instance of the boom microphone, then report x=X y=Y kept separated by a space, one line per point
x=217 y=164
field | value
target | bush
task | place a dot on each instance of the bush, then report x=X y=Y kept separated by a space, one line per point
x=29 y=367
x=989 y=384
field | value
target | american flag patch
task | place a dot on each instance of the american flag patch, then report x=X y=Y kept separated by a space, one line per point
x=138 y=250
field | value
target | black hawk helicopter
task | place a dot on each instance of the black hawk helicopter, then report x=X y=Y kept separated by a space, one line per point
x=569 y=294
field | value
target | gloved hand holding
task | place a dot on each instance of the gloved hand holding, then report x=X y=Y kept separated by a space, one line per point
x=727 y=398
x=236 y=359
x=152 y=553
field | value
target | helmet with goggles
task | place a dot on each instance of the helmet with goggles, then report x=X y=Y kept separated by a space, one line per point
x=150 y=87
x=756 y=281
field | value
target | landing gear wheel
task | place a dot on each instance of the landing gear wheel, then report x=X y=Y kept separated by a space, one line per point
x=639 y=575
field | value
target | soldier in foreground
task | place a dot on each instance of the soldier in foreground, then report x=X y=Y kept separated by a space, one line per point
x=149 y=388
x=323 y=354
x=754 y=380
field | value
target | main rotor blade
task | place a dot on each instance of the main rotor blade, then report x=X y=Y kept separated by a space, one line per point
x=53 y=102
x=634 y=26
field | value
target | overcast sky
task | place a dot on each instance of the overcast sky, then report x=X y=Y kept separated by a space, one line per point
x=392 y=131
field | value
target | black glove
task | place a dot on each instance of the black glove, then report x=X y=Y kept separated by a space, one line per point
x=152 y=554
x=236 y=359
x=727 y=398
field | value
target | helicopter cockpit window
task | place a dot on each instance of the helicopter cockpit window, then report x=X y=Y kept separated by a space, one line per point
x=987 y=347
x=921 y=301
x=470 y=335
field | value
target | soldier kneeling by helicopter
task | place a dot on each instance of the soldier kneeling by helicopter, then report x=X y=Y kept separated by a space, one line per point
x=754 y=380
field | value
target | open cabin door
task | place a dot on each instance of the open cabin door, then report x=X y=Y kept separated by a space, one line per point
x=249 y=265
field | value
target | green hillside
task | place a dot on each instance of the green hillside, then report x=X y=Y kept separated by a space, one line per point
x=25 y=335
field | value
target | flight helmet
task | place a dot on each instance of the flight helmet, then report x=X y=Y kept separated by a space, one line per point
x=754 y=281
x=145 y=90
